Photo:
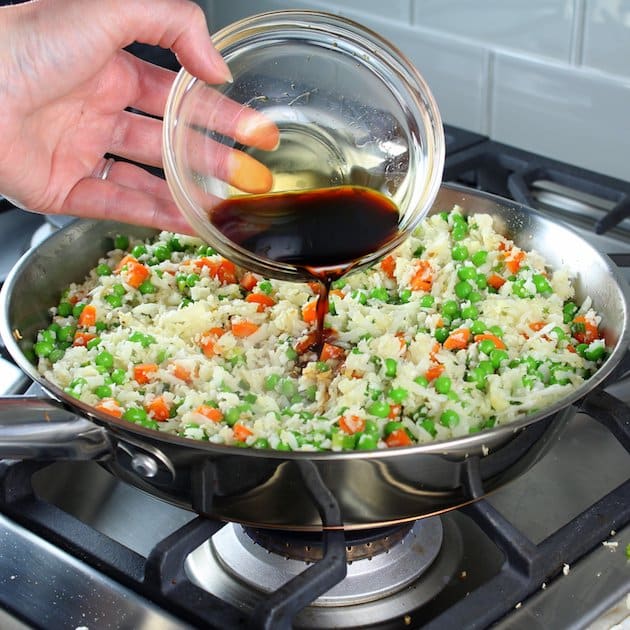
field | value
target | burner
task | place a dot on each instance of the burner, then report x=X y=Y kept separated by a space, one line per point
x=391 y=572
x=308 y=547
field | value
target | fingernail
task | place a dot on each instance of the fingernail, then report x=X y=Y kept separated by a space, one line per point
x=248 y=174
x=256 y=130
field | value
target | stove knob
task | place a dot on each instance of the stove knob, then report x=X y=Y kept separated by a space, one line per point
x=144 y=465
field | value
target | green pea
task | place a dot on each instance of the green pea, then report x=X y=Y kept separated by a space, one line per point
x=43 y=348
x=442 y=384
x=426 y=301
x=192 y=279
x=64 y=309
x=100 y=326
x=103 y=391
x=147 y=287
x=291 y=353
x=288 y=387
x=77 y=309
x=92 y=343
x=360 y=296
x=103 y=270
x=475 y=297
x=138 y=250
x=559 y=333
x=479 y=258
x=379 y=408
x=421 y=380
x=541 y=283
x=121 y=241
x=441 y=334
x=144 y=340
x=174 y=245
x=322 y=366
x=66 y=333
x=311 y=393
x=496 y=331
x=104 y=359
x=366 y=442
x=463 y=289
x=162 y=252
x=460 y=252
x=449 y=418
x=568 y=311
x=371 y=428
x=232 y=416
x=115 y=301
x=48 y=335
x=481 y=281
x=55 y=355
x=518 y=289
x=486 y=346
x=470 y=312
x=405 y=295
x=595 y=352
x=466 y=273
x=450 y=308
x=497 y=357
x=380 y=293
x=418 y=251
x=477 y=327
x=391 y=426
x=118 y=376
x=261 y=443
x=391 y=367
x=135 y=414
x=266 y=287
x=398 y=394
x=459 y=232
x=429 y=426
x=486 y=367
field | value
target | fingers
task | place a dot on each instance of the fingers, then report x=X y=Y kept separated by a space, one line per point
x=138 y=138
x=176 y=24
x=129 y=195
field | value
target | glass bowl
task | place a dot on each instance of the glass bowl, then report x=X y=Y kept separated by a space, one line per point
x=337 y=106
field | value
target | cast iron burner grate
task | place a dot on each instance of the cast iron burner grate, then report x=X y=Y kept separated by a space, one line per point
x=597 y=201
x=161 y=577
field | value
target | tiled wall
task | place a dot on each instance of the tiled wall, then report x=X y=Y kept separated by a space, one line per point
x=550 y=76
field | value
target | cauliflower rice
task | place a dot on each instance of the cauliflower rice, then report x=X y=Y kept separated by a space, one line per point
x=457 y=331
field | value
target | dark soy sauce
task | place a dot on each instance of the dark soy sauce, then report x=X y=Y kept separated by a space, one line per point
x=322 y=231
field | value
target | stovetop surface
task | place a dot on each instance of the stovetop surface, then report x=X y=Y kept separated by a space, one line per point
x=75 y=554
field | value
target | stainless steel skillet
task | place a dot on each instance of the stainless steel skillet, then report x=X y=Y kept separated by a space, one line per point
x=297 y=490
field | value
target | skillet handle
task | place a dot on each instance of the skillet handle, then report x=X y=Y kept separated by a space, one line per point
x=33 y=427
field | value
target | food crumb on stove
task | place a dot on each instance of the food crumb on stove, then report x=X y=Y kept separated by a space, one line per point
x=518 y=605
x=565 y=569
x=613 y=532
x=407 y=620
x=485 y=450
x=543 y=586
x=463 y=575
x=610 y=545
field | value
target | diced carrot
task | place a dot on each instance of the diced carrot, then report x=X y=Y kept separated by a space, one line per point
x=536 y=326
x=338 y=293
x=571 y=349
x=73 y=299
x=264 y=301
x=398 y=437
x=208 y=341
x=110 y=406
x=248 y=281
x=125 y=260
x=241 y=432
x=351 y=424
x=87 y=317
x=212 y=413
x=401 y=339
x=422 y=280
x=180 y=372
x=514 y=259
x=394 y=411
x=226 y=273
x=309 y=311
x=434 y=371
x=306 y=342
x=458 y=339
x=315 y=287
x=159 y=409
x=244 y=328
x=82 y=338
x=585 y=331
x=498 y=342
x=388 y=265
x=434 y=350
x=496 y=281
x=143 y=372
x=330 y=351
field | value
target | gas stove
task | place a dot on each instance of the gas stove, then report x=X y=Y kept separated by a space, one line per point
x=82 y=549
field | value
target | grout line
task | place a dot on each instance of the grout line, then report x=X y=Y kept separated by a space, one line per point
x=576 y=48
x=487 y=124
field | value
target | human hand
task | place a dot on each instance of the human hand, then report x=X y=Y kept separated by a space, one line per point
x=65 y=86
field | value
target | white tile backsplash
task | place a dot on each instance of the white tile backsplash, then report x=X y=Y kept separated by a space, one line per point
x=550 y=76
